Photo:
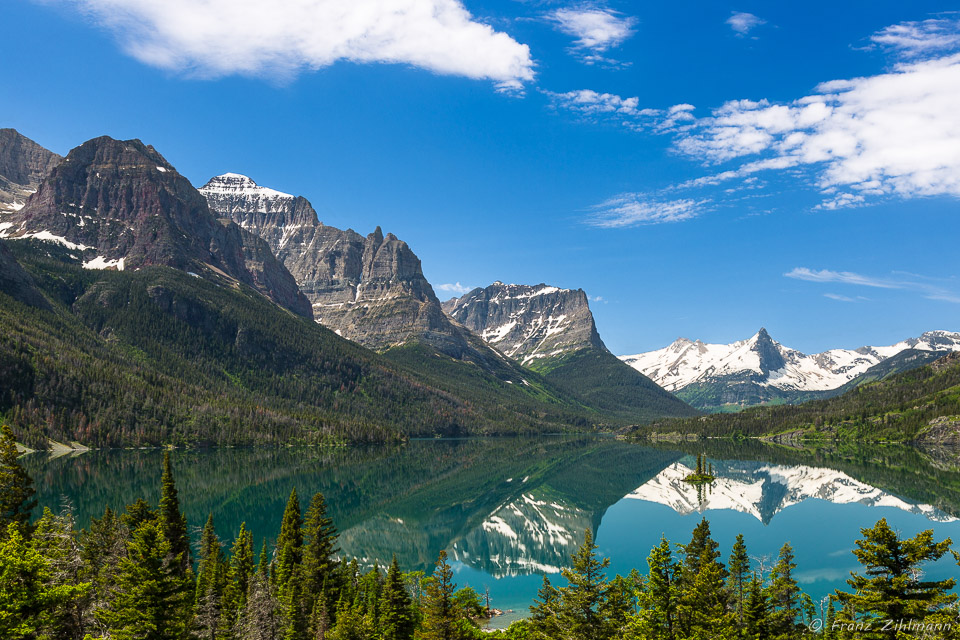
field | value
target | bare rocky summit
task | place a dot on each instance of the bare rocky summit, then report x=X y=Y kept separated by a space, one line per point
x=23 y=164
x=121 y=205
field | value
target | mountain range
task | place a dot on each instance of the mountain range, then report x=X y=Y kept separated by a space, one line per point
x=761 y=370
x=236 y=300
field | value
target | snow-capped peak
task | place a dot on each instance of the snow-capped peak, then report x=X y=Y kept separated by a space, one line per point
x=769 y=363
x=236 y=184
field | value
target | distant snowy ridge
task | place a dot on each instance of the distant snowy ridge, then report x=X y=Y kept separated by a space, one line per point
x=771 y=364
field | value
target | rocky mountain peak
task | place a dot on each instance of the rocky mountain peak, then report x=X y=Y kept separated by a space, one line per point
x=23 y=164
x=370 y=289
x=120 y=204
x=528 y=323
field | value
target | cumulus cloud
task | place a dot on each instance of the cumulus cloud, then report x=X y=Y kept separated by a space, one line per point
x=920 y=39
x=930 y=288
x=456 y=288
x=743 y=23
x=638 y=209
x=896 y=133
x=596 y=29
x=269 y=38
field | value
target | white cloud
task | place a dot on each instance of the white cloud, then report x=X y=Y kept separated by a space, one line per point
x=456 y=288
x=270 y=38
x=930 y=288
x=896 y=133
x=920 y=39
x=743 y=23
x=627 y=111
x=596 y=29
x=637 y=209
x=841 y=298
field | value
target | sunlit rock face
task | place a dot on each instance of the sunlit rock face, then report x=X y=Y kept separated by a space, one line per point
x=528 y=323
x=369 y=289
x=764 y=490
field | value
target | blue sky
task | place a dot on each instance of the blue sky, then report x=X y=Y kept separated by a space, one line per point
x=701 y=169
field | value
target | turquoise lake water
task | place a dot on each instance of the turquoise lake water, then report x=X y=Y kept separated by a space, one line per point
x=513 y=509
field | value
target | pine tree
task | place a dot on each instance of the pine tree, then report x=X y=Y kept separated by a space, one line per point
x=582 y=598
x=756 y=614
x=172 y=521
x=656 y=619
x=211 y=578
x=320 y=565
x=55 y=538
x=739 y=568
x=137 y=513
x=239 y=573
x=102 y=546
x=152 y=598
x=16 y=486
x=545 y=612
x=702 y=608
x=784 y=594
x=702 y=547
x=289 y=544
x=396 y=621
x=440 y=617
x=892 y=587
x=29 y=599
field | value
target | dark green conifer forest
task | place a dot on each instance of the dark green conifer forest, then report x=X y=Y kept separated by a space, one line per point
x=134 y=574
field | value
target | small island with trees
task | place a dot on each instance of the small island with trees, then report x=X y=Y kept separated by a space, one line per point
x=704 y=472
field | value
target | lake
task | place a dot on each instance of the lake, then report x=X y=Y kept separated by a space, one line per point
x=509 y=510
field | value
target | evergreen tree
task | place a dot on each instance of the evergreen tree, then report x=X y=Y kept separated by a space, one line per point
x=582 y=598
x=102 y=546
x=137 y=513
x=239 y=573
x=545 y=612
x=702 y=547
x=396 y=621
x=702 y=608
x=739 y=568
x=892 y=587
x=656 y=619
x=289 y=544
x=211 y=579
x=172 y=521
x=260 y=619
x=756 y=614
x=152 y=598
x=320 y=565
x=784 y=595
x=29 y=599
x=440 y=616
x=55 y=538
x=296 y=613
x=16 y=486
x=619 y=604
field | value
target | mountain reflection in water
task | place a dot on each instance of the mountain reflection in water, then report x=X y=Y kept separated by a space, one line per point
x=510 y=509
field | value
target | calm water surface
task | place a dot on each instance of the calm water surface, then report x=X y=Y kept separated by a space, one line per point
x=510 y=510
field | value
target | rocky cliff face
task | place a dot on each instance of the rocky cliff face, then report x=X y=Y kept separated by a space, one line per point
x=368 y=289
x=528 y=323
x=23 y=164
x=121 y=205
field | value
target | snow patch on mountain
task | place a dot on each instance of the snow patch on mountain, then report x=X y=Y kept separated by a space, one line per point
x=245 y=192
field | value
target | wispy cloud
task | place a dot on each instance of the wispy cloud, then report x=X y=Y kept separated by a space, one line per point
x=930 y=288
x=638 y=209
x=595 y=29
x=920 y=39
x=456 y=288
x=743 y=23
x=270 y=39
x=627 y=111
x=842 y=298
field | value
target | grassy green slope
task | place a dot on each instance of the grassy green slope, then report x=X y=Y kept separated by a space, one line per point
x=896 y=409
x=616 y=390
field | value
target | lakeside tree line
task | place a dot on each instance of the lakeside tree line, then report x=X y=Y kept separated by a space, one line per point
x=135 y=575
